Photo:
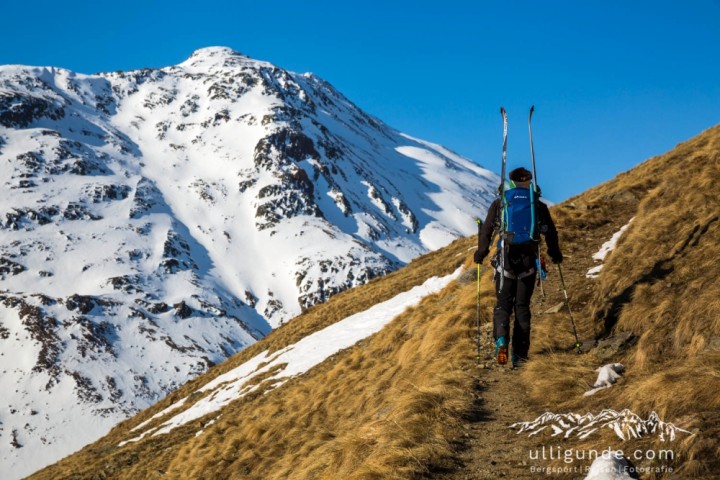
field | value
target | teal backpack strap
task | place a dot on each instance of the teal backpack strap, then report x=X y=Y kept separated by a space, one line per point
x=505 y=214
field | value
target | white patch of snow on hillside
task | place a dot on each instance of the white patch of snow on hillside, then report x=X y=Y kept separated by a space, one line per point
x=594 y=272
x=606 y=248
x=607 y=376
x=610 y=245
x=161 y=413
x=300 y=357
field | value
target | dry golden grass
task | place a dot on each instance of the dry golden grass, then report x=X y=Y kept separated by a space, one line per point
x=662 y=283
x=393 y=405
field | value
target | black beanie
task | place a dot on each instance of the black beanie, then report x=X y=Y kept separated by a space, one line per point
x=520 y=175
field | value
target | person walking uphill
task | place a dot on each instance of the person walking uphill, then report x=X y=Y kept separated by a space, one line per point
x=525 y=218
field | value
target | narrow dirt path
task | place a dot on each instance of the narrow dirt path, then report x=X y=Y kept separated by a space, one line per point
x=493 y=450
x=490 y=448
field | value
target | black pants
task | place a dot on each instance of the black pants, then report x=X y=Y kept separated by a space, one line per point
x=515 y=295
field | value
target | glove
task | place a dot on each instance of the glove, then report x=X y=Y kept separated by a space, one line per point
x=478 y=257
x=557 y=259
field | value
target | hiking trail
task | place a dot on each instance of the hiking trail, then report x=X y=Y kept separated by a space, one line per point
x=490 y=448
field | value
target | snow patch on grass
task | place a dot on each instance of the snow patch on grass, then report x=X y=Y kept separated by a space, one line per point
x=606 y=248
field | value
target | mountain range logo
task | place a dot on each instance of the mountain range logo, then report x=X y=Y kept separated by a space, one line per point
x=626 y=425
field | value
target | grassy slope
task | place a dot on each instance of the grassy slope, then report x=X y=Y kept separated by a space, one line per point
x=393 y=406
x=662 y=283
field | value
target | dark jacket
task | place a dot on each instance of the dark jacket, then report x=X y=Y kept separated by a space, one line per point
x=545 y=222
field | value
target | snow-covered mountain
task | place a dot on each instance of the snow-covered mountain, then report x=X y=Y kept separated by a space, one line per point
x=154 y=222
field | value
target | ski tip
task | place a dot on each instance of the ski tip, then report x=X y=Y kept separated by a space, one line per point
x=502 y=110
x=532 y=109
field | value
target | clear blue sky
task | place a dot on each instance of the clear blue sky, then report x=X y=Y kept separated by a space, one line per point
x=613 y=82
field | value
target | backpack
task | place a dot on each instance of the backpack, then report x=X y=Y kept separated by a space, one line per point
x=519 y=215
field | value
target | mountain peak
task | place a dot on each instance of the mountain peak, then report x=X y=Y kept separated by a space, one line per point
x=215 y=56
x=215 y=52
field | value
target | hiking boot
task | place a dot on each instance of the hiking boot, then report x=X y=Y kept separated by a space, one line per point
x=517 y=362
x=501 y=351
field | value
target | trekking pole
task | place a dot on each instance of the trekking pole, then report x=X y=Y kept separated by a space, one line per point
x=477 y=318
x=578 y=343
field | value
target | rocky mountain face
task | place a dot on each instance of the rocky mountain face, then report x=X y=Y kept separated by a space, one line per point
x=154 y=222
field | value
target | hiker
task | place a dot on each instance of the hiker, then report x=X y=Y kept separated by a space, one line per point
x=520 y=263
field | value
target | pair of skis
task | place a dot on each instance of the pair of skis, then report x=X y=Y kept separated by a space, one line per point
x=503 y=200
x=503 y=225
